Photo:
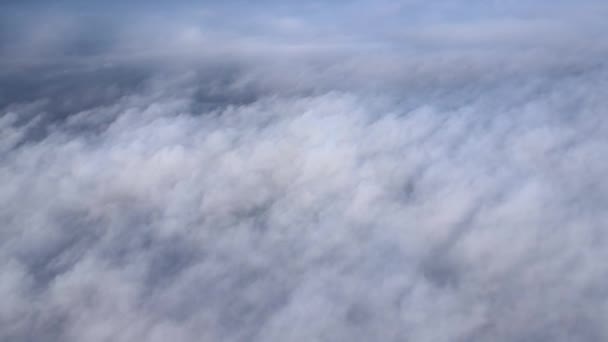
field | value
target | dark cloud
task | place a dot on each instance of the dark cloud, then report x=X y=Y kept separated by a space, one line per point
x=296 y=176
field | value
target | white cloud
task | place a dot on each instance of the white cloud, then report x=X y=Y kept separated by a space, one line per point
x=339 y=194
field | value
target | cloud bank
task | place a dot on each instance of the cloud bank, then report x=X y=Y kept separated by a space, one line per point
x=386 y=171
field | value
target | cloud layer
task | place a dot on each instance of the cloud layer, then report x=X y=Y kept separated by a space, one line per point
x=293 y=177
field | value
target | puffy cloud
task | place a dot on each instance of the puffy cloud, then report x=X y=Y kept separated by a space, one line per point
x=244 y=187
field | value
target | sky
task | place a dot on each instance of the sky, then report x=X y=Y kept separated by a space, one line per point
x=303 y=171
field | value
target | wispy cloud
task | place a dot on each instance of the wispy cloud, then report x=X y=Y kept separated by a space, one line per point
x=294 y=172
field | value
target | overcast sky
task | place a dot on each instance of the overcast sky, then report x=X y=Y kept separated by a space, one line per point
x=303 y=171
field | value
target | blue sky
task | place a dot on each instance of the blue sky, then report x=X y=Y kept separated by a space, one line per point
x=394 y=25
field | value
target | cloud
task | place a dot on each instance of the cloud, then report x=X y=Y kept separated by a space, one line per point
x=203 y=182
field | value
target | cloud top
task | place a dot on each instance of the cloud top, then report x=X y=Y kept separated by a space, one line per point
x=300 y=174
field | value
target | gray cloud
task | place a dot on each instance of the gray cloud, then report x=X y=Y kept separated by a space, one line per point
x=306 y=182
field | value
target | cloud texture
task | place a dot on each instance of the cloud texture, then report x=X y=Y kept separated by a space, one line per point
x=294 y=176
